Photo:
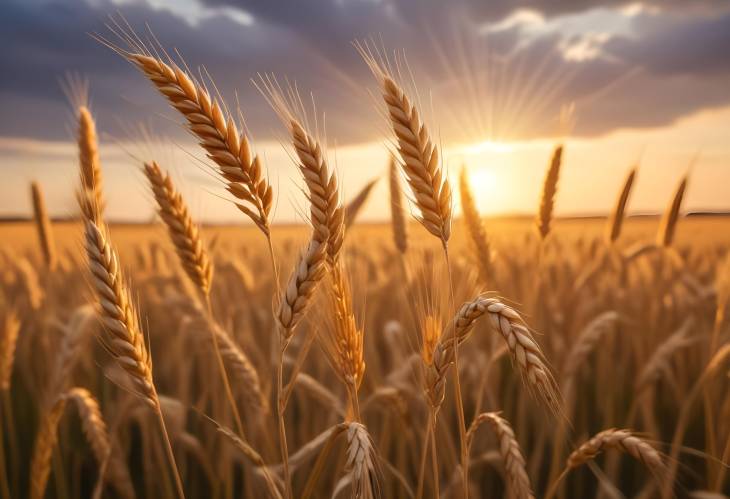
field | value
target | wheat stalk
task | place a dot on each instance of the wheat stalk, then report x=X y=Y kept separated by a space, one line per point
x=355 y=205
x=397 y=210
x=549 y=189
x=43 y=225
x=90 y=195
x=509 y=450
x=183 y=232
x=475 y=226
x=617 y=216
x=525 y=352
x=419 y=155
x=215 y=128
x=668 y=225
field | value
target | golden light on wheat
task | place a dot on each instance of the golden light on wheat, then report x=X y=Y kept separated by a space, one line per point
x=439 y=354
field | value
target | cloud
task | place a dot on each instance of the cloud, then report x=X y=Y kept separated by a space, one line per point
x=651 y=67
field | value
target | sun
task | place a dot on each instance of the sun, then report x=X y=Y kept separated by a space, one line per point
x=483 y=183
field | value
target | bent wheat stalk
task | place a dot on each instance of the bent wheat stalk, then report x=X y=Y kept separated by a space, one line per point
x=621 y=440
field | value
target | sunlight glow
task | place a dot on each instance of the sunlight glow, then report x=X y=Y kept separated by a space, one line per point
x=489 y=146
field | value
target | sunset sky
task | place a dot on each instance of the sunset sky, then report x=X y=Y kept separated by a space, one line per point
x=650 y=82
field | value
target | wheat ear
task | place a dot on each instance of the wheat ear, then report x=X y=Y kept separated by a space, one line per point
x=125 y=341
x=397 y=209
x=355 y=205
x=668 y=225
x=587 y=341
x=344 y=343
x=362 y=462
x=74 y=339
x=549 y=189
x=92 y=422
x=46 y=438
x=623 y=440
x=524 y=350
x=119 y=316
x=419 y=155
x=183 y=232
x=509 y=450
x=617 y=217
x=10 y=332
x=307 y=273
x=475 y=226
x=43 y=225
x=326 y=210
x=90 y=195
x=215 y=129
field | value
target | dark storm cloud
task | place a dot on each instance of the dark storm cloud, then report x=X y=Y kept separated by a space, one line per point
x=677 y=50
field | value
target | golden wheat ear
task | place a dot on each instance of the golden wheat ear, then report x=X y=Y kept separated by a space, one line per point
x=352 y=210
x=327 y=213
x=43 y=226
x=475 y=227
x=549 y=190
x=668 y=225
x=419 y=156
x=618 y=215
x=210 y=121
x=184 y=234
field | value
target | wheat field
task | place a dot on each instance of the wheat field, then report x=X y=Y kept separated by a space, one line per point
x=441 y=354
